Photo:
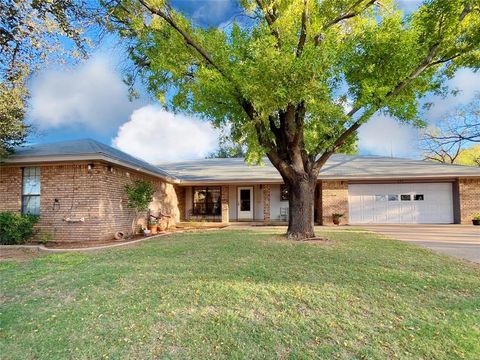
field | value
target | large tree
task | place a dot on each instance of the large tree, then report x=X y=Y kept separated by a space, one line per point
x=295 y=79
x=32 y=34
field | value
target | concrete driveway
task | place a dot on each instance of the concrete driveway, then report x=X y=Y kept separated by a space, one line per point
x=462 y=241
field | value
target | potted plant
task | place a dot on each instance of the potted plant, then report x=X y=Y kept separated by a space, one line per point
x=152 y=226
x=162 y=226
x=336 y=218
x=476 y=219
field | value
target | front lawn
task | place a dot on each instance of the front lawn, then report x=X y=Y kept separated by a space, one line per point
x=242 y=294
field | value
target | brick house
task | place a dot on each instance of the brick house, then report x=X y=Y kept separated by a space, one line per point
x=77 y=188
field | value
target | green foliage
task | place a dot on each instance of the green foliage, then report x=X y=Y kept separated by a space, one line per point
x=469 y=156
x=32 y=34
x=377 y=60
x=13 y=131
x=16 y=228
x=476 y=216
x=139 y=194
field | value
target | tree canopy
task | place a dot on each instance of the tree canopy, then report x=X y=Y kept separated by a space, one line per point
x=335 y=62
x=32 y=34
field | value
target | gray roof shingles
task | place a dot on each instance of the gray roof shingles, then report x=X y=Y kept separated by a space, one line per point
x=84 y=147
x=339 y=166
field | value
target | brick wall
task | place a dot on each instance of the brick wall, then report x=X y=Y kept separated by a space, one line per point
x=96 y=195
x=469 y=196
x=10 y=188
x=266 y=203
x=181 y=198
x=333 y=199
x=224 y=199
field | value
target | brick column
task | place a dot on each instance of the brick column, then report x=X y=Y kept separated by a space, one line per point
x=266 y=203
x=469 y=196
x=225 y=212
x=334 y=200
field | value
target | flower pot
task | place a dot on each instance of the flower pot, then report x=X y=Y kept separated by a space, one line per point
x=153 y=229
x=476 y=222
x=162 y=226
x=336 y=220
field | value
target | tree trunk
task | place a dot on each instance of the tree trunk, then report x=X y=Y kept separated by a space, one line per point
x=301 y=208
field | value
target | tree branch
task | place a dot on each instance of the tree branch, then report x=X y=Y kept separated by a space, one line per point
x=350 y=13
x=397 y=89
x=303 y=31
x=270 y=19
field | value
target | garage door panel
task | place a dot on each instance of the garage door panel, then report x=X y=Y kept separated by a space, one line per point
x=384 y=203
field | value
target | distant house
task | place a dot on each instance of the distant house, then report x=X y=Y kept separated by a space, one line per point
x=77 y=188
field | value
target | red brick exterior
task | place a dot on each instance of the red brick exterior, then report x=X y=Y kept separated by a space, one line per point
x=224 y=199
x=469 y=196
x=266 y=203
x=96 y=195
x=333 y=199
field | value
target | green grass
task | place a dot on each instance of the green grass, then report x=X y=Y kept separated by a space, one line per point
x=242 y=294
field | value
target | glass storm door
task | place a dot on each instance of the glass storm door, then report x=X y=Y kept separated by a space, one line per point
x=245 y=203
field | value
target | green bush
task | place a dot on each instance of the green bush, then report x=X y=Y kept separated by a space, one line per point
x=16 y=228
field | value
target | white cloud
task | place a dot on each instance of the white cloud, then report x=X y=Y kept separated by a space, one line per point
x=212 y=11
x=92 y=94
x=383 y=135
x=156 y=135
x=464 y=80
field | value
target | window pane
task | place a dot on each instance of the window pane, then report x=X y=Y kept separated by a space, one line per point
x=31 y=191
x=392 y=197
x=405 y=197
x=31 y=205
x=418 y=197
x=31 y=181
x=380 y=197
x=245 y=200
x=207 y=201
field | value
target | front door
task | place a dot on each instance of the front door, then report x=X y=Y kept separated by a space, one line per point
x=245 y=203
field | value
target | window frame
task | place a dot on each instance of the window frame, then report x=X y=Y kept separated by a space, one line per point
x=31 y=195
x=206 y=204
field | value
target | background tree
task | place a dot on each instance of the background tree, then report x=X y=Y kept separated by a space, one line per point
x=469 y=156
x=139 y=196
x=298 y=78
x=454 y=131
x=32 y=34
x=447 y=141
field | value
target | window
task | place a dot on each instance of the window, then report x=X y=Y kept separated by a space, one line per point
x=418 y=197
x=283 y=193
x=207 y=200
x=31 y=191
x=405 y=197
x=380 y=197
x=392 y=197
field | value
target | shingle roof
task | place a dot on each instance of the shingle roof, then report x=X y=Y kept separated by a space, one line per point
x=339 y=166
x=85 y=148
x=347 y=167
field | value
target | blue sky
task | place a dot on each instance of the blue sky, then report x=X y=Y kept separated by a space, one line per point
x=90 y=100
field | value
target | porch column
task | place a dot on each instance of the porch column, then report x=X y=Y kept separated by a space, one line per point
x=225 y=211
x=266 y=203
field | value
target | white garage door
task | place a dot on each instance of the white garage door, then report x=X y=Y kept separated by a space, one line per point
x=427 y=203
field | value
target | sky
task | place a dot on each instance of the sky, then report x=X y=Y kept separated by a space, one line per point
x=90 y=100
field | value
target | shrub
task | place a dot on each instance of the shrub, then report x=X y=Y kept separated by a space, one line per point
x=139 y=195
x=476 y=216
x=16 y=228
